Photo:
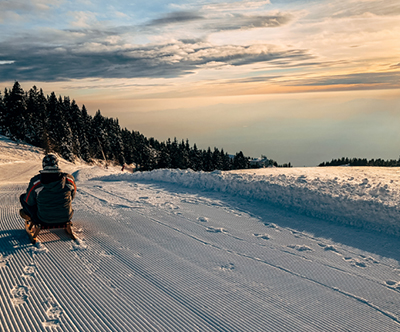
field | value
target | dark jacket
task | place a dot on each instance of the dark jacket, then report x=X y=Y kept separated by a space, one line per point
x=52 y=193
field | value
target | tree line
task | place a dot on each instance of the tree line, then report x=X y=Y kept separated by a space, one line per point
x=361 y=162
x=58 y=125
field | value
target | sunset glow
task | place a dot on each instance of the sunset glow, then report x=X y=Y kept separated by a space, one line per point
x=299 y=81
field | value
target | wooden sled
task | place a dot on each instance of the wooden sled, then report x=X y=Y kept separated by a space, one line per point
x=33 y=229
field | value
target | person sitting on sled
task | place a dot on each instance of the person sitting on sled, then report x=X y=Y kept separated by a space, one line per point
x=49 y=195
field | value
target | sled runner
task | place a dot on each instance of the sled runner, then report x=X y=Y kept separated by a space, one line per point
x=33 y=229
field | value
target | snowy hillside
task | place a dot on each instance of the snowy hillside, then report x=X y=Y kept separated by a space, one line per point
x=183 y=251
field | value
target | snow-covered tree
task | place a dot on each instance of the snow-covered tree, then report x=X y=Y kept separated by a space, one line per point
x=14 y=119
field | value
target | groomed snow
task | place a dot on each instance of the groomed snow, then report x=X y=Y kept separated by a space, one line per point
x=175 y=250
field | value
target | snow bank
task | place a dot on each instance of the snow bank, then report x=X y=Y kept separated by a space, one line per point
x=363 y=197
x=87 y=173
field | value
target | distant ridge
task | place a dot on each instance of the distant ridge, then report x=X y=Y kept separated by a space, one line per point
x=361 y=162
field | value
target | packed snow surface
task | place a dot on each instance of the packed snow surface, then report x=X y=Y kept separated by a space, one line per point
x=171 y=250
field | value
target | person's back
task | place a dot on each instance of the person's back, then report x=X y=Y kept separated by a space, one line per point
x=49 y=195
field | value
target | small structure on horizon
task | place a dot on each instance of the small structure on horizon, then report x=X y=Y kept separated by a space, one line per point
x=259 y=162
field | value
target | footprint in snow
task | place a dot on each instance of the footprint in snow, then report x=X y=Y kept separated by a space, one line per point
x=392 y=283
x=329 y=247
x=369 y=259
x=39 y=248
x=169 y=205
x=202 y=219
x=3 y=261
x=299 y=247
x=262 y=236
x=78 y=245
x=355 y=262
x=53 y=313
x=358 y=263
x=296 y=234
x=227 y=267
x=19 y=294
x=77 y=230
x=29 y=271
x=190 y=201
x=104 y=254
x=215 y=230
x=270 y=225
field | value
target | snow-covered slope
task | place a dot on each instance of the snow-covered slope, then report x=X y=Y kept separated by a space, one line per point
x=12 y=152
x=160 y=252
x=361 y=196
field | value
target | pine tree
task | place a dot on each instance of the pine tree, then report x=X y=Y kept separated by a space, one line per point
x=14 y=118
x=164 y=160
x=176 y=155
x=100 y=138
x=52 y=116
x=66 y=133
x=42 y=122
x=58 y=129
x=240 y=161
x=226 y=161
x=194 y=159
x=128 y=145
x=216 y=159
x=116 y=143
x=86 y=141
x=35 y=113
x=184 y=149
x=207 y=160
x=138 y=142
x=72 y=115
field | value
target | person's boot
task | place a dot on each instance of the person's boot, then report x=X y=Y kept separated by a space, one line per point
x=24 y=215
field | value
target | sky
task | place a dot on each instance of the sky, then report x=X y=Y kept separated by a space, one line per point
x=299 y=81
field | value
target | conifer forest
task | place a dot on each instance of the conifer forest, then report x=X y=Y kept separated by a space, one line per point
x=58 y=125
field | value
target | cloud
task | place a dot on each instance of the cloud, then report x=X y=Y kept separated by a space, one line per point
x=385 y=79
x=11 y=10
x=214 y=6
x=235 y=6
x=256 y=79
x=15 y=5
x=103 y=60
x=221 y=22
x=176 y=17
x=120 y=14
x=357 y=81
x=83 y=19
x=244 y=22
x=352 y=8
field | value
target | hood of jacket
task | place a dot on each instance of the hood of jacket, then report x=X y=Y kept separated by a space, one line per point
x=52 y=181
